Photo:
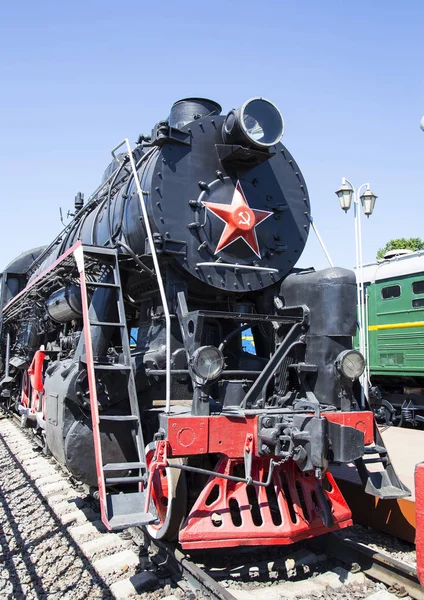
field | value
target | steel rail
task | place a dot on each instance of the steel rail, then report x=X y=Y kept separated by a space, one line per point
x=374 y=564
x=180 y=566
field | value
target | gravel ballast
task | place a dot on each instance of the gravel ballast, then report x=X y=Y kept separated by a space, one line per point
x=39 y=558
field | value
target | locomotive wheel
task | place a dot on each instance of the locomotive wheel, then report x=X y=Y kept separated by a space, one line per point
x=169 y=495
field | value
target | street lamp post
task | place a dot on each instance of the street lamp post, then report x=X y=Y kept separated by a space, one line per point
x=367 y=199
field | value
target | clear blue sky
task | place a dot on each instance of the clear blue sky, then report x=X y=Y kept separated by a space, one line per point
x=76 y=77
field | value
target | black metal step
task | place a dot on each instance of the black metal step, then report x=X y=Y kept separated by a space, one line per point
x=383 y=460
x=99 y=250
x=375 y=450
x=125 y=466
x=111 y=367
x=126 y=510
x=107 y=324
x=102 y=284
x=118 y=417
x=112 y=480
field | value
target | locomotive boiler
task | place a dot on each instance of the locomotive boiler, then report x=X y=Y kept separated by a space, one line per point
x=121 y=341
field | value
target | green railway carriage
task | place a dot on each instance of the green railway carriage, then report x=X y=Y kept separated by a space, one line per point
x=395 y=341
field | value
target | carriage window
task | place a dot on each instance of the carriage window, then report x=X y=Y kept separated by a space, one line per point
x=418 y=303
x=418 y=287
x=391 y=291
x=12 y=284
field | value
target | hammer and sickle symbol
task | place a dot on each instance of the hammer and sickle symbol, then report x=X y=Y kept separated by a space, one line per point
x=244 y=218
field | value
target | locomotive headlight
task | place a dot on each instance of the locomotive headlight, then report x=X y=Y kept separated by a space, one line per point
x=257 y=123
x=351 y=364
x=207 y=363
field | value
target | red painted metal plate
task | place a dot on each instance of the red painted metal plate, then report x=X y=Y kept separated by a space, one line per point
x=361 y=419
x=227 y=435
x=229 y=513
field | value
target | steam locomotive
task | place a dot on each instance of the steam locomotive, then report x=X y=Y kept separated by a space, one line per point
x=121 y=341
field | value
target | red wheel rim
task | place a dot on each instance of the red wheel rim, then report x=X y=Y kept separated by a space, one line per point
x=160 y=491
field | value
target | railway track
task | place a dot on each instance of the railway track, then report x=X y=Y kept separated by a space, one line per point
x=110 y=565
x=185 y=570
x=401 y=578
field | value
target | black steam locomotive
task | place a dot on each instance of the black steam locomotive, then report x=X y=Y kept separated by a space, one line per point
x=121 y=342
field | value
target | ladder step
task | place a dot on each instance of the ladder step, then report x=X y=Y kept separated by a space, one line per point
x=101 y=284
x=118 y=417
x=111 y=367
x=112 y=480
x=99 y=250
x=375 y=450
x=383 y=460
x=107 y=324
x=125 y=466
x=107 y=366
x=123 y=510
x=139 y=519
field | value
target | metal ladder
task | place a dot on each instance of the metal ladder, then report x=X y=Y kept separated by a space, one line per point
x=124 y=509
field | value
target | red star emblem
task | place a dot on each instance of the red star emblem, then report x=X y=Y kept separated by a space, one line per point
x=240 y=220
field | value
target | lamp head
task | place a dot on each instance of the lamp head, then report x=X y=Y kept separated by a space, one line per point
x=344 y=194
x=368 y=202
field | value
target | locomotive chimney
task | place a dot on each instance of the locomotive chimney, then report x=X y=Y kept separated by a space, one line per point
x=79 y=202
x=187 y=110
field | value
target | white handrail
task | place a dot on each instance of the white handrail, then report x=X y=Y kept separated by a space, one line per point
x=314 y=227
x=158 y=273
x=236 y=266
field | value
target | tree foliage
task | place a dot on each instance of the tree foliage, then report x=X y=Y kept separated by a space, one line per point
x=401 y=244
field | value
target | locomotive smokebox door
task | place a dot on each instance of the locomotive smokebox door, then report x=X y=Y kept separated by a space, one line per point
x=208 y=209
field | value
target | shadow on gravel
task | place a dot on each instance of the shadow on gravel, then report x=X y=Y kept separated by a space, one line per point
x=11 y=556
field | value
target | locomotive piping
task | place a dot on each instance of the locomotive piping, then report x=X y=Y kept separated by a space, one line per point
x=134 y=256
x=7 y=355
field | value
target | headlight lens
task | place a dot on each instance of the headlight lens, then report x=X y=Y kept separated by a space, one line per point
x=207 y=363
x=257 y=123
x=262 y=122
x=351 y=364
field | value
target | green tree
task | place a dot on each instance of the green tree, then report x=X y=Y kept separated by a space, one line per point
x=401 y=244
